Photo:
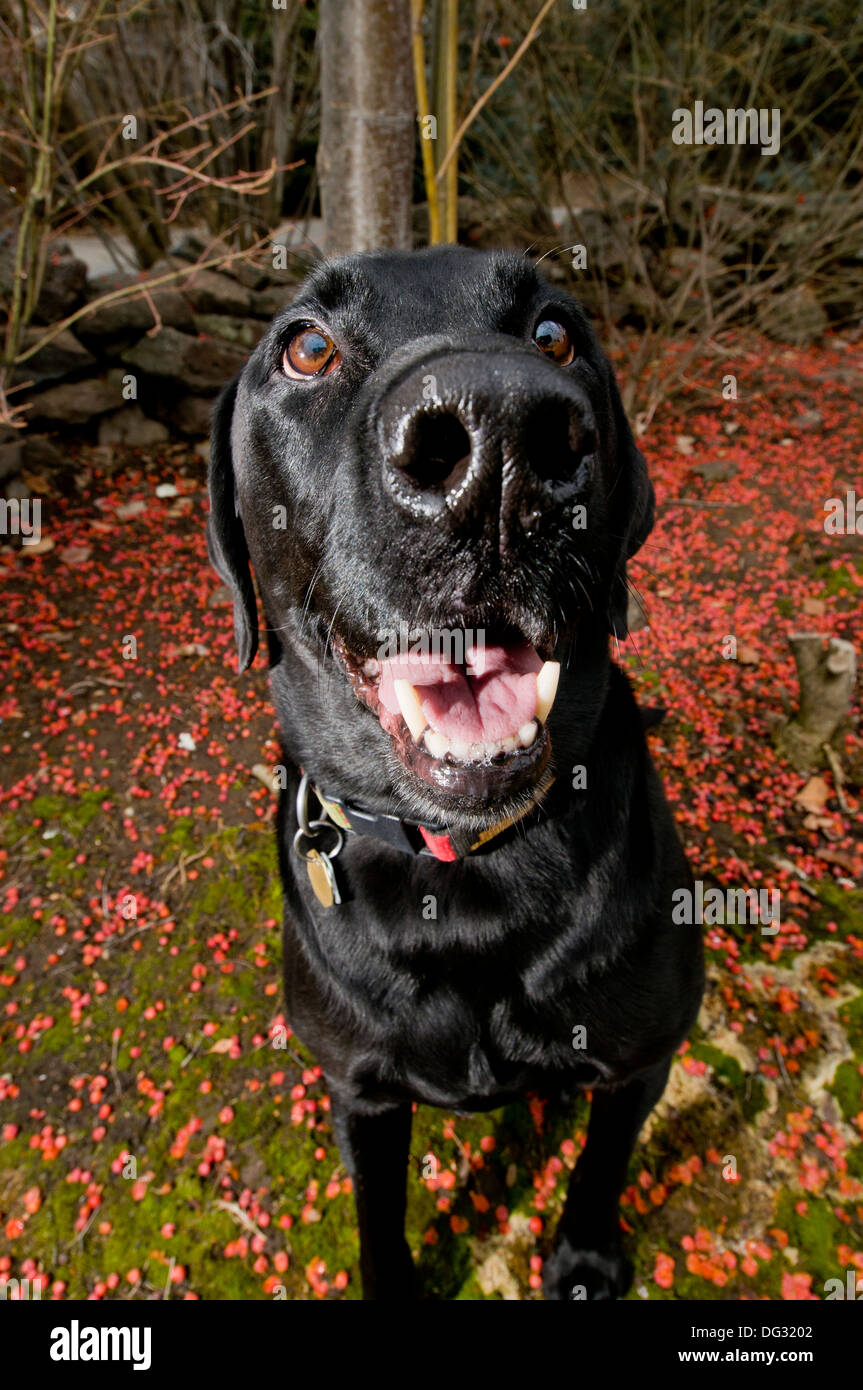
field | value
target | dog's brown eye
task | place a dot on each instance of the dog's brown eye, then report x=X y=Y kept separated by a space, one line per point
x=552 y=338
x=311 y=352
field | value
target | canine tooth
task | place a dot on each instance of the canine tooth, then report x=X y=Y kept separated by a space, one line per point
x=546 y=689
x=409 y=704
x=527 y=733
x=436 y=743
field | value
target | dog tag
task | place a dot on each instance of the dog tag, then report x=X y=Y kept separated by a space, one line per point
x=322 y=877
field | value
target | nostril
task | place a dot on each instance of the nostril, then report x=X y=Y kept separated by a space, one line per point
x=437 y=452
x=556 y=440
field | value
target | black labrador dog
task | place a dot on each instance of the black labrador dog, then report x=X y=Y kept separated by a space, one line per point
x=427 y=462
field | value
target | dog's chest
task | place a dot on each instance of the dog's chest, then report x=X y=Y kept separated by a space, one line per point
x=459 y=1028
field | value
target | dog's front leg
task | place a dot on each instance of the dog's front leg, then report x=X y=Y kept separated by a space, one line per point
x=375 y=1148
x=587 y=1259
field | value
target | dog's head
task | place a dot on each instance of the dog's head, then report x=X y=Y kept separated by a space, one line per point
x=427 y=462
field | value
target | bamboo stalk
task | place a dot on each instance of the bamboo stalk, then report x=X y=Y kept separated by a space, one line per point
x=422 y=99
x=449 y=158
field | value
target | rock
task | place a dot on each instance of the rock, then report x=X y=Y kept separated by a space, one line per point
x=128 y=318
x=11 y=459
x=130 y=427
x=64 y=286
x=201 y=364
x=252 y=275
x=64 y=354
x=256 y=274
x=40 y=452
x=32 y=451
x=193 y=247
x=190 y=415
x=210 y=292
x=75 y=402
x=267 y=303
x=243 y=331
x=715 y=470
x=793 y=317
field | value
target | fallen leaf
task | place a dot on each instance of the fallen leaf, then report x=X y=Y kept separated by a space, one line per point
x=815 y=607
x=836 y=856
x=746 y=655
x=824 y=824
x=188 y=649
x=75 y=554
x=130 y=509
x=41 y=548
x=37 y=482
x=685 y=443
x=814 y=795
x=265 y=775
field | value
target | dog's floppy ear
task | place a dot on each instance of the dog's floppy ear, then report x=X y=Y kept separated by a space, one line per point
x=226 y=539
x=632 y=508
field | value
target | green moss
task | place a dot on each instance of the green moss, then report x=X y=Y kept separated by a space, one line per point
x=749 y=1090
x=851 y=1018
x=847 y=1087
x=815 y=1234
x=834 y=580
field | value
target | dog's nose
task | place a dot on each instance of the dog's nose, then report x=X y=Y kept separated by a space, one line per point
x=498 y=435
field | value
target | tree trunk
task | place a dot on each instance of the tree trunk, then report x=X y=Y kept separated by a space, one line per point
x=366 y=152
x=827 y=671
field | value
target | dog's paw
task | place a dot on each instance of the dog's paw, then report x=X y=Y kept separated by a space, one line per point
x=573 y=1273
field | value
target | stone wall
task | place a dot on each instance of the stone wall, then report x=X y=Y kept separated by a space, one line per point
x=116 y=377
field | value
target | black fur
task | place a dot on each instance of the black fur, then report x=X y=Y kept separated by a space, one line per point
x=565 y=921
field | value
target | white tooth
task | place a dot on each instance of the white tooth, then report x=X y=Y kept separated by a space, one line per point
x=527 y=733
x=459 y=750
x=409 y=704
x=476 y=752
x=509 y=744
x=437 y=744
x=546 y=689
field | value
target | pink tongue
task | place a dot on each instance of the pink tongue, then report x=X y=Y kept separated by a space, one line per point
x=484 y=701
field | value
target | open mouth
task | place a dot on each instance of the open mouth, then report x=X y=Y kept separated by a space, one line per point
x=469 y=721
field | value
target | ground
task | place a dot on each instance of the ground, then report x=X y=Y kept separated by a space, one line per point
x=155 y=1138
